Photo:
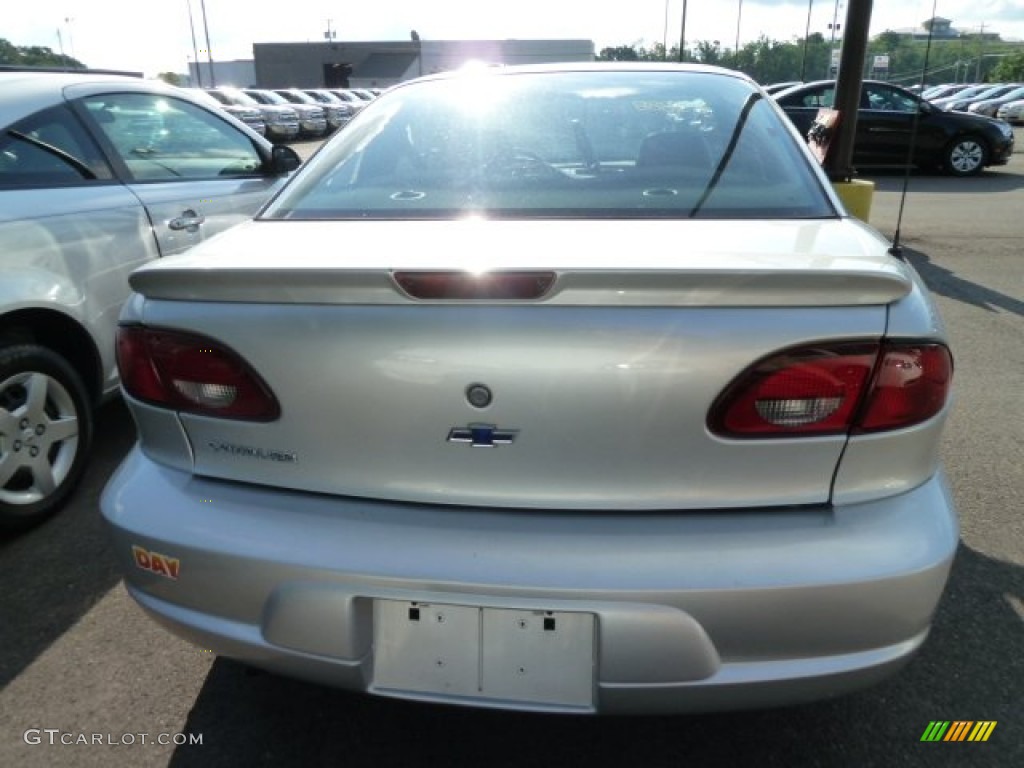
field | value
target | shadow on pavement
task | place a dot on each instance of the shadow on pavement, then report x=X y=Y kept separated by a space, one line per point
x=971 y=668
x=946 y=283
x=52 y=575
x=991 y=180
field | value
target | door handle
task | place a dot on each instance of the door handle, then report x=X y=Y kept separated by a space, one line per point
x=189 y=221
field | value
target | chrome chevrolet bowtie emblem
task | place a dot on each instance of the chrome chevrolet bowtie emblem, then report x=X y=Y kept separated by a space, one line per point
x=482 y=435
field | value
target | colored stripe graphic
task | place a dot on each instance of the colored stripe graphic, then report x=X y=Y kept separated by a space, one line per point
x=935 y=731
x=958 y=731
x=982 y=730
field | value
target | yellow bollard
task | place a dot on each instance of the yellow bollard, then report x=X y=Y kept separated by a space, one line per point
x=856 y=196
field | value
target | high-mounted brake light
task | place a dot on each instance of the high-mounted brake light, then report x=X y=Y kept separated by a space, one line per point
x=469 y=286
x=836 y=389
x=191 y=373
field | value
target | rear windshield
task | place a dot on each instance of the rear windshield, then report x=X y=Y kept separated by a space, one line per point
x=592 y=144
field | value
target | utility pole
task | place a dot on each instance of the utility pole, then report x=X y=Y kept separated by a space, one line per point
x=682 y=35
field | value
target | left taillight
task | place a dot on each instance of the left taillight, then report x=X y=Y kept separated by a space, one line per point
x=191 y=373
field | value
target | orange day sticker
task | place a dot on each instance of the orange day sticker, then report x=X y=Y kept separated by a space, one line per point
x=162 y=565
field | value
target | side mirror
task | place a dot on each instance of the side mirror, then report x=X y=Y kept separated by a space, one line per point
x=925 y=108
x=284 y=159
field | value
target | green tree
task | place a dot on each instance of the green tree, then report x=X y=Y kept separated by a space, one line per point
x=618 y=53
x=773 y=61
x=171 y=77
x=707 y=52
x=35 y=56
x=1010 y=69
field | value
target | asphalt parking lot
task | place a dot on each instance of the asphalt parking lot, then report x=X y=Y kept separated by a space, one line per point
x=80 y=659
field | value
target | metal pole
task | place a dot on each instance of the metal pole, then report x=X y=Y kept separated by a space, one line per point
x=195 y=48
x=739 y=17
x=981 y=54
x=807 y=34
x=209 y=51
x=682 y=35
x=839 y=163
x=664 y=36
x=71 y=39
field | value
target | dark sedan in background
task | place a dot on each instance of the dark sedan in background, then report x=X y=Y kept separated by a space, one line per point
x=959 y=143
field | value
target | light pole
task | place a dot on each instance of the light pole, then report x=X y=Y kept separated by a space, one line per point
x=195 y=49
x=834 y=26
x=209 y=52
x=739 y=17
x=664 y=36
x=71 y=39
x=807 y=34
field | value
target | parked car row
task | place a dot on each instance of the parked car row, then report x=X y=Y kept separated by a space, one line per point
x=291 y=113
x=1012 y=112
x=965 y=99
x=960 y=143
x=1002 y=100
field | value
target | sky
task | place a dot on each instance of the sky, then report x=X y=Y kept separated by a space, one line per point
x=154 y=36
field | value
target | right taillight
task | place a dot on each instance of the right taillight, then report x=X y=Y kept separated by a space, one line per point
x=835 y=389
x=911 y=385
x=191 y=373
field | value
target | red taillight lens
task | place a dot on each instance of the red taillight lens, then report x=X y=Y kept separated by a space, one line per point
x=912 y=385
x=834 y=389
x=191 y=373
x=804 y=391
x=468 y=286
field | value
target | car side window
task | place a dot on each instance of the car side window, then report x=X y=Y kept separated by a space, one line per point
x=815 y=99
x=888 y=99
x=50 y=148
x=160 y=138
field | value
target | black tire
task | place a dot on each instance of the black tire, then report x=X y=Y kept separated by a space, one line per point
x=46 y=425
x=965 y=156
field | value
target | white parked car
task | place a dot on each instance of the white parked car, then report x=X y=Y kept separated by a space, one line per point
x=1012 y=112
x=99 y=174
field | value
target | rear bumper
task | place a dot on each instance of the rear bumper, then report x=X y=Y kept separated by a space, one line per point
x=693 y=612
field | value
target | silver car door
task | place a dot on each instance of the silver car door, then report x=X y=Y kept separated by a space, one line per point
x=196 y=173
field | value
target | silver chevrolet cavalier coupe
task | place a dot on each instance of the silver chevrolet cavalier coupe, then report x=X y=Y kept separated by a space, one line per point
x=604 y=405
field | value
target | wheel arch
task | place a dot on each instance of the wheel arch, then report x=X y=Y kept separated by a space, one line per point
x=60 y=333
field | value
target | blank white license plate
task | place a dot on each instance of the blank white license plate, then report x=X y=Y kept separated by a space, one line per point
x=538 y=657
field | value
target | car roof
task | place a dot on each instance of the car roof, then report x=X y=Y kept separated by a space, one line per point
x=27 y=92
x=820 y=83
x=585 y=66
